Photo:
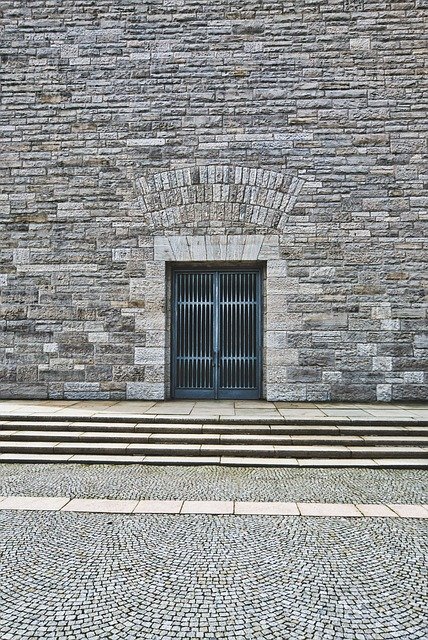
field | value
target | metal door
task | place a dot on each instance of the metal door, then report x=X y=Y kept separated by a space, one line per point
x=216 y=334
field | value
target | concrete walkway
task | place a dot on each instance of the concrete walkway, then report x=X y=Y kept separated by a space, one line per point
x=212 y=408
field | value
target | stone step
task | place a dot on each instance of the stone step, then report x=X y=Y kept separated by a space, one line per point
x=378 y=463
x=291 y=450
x=218 y=420
x=211 y=438
x=181 y=440
x=232 y=429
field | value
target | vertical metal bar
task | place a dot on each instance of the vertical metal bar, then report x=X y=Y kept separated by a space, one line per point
x=254 y=350
x=216 y=327
x=245 y=332
x=188 y=334
x=244 y=329
x=195 y=313
x=237 y=381
x=180 y=341
x=224 y=330
x=206 y=329
x=228 y=336
x=192 y=331
x=175 y=330
x=242 y=312
x=203 y=360
x=195 y=333
x=253 y=328
x=249 y=330
x=200 y=385
x=178 y=352
x=222 y=335
x=233 y=354
x=190 y=347
x=252 y=337
x=184 y=307
x=230 y=332
x=184 y=329
x=234 y=362
x=210 y=346
x=236 y=279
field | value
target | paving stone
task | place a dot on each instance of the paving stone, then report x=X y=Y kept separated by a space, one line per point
x=33 y=503
x=100 y=447
x=267 y=508
x=257 y=462
x=40 y=458
x=207 y=506
x=402 y=463
x=376 y=510
x=409 y=510
x=324 y=509
x=102 y=458
x=182 y=460
x=101 y=506
x=337 y=462
x=158 y=506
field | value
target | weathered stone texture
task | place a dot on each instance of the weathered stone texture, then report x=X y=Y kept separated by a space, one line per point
x=131 y=128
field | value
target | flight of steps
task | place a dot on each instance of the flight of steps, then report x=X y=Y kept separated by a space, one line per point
x=329 y=442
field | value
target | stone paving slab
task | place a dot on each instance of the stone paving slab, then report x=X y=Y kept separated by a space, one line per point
x=101 y=506
x=401 y=462
x=336 y=462
x=158 y=506
x=36 y=457
x=236 y=461
x=266 y=508
x=376 y=511
x=212 y=507
x=182 y=460
x=106 y=459
x=328 y=510
x=33 y=503
x=410 y=510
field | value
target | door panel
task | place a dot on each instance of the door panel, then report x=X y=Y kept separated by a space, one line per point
x=216 y=337
x=238 y=333
x=193 y=334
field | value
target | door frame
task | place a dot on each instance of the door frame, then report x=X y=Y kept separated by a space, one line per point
x=216 y=393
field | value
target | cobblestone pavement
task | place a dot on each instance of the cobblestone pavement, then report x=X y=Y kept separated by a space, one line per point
x=216 y=483
x=93 y=576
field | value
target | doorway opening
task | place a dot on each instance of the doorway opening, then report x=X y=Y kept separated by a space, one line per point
x=216 y=349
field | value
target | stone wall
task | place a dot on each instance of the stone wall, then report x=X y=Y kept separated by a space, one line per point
x=126 y=124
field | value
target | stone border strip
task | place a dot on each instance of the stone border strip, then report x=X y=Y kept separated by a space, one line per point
x=213 y=507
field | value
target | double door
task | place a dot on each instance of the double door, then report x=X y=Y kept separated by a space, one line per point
x=216 y=334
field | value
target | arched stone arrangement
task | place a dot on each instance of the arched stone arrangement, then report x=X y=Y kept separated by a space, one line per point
x=217 y=196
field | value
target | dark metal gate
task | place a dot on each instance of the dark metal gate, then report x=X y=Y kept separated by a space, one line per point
x=216 y=334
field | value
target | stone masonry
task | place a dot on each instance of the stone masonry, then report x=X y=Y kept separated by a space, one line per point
x=136 y=134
